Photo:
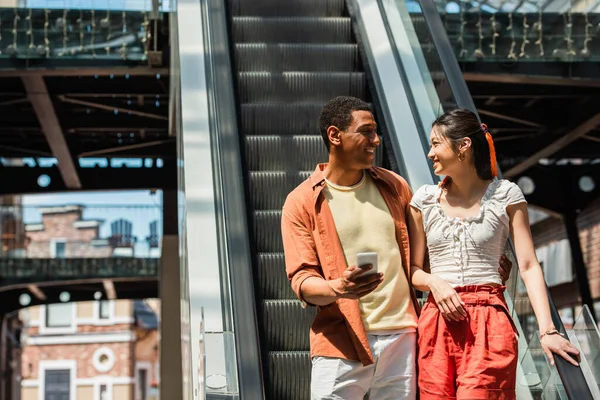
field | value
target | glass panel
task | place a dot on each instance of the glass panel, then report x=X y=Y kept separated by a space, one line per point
x=74 y=34
x=220 y=363
x=534 y=371
x=423 y=47
x=586 y=337
x=59 y=315
x=57 y=384
x=103 y=309
x=517 y=31
x=103 y=392
x=142 y=384
x=60 y=249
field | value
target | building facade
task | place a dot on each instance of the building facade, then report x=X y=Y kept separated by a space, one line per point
x=96 y=350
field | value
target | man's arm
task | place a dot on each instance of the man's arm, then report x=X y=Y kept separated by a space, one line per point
x=301 y=259
x=303 y=268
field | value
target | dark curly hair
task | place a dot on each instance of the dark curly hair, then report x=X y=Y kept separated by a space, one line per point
x=338 y=112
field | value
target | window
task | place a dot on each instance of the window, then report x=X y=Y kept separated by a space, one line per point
x=58 y=248
x=142 y=384
x=103 y=392
x=103 y=309
x=57 y=384
x=59 y=315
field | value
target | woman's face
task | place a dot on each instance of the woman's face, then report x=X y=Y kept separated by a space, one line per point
x=444 y=157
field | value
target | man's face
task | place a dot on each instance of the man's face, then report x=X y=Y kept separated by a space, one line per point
x=356 y=145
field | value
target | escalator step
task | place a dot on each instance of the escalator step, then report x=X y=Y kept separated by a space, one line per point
x=280 y=119
x=267 y=231
x=273 y=280
x=288 y=87
x=274 y=8
x=296 y=153
x=287 y=153
x=297 y=57
x=287 y=324
x=270 y=189
x=292 y=30
x=290 y=375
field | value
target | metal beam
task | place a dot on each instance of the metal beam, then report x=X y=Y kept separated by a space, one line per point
x=527 y=96
x=591 y=138
x=123 y=148
x=116 y=71
x=37 y=292
x=13 y=101
x=109 y=289
x=42 y=105
x=24 y=179
x=555 y=146
x=111 y=108
x=509 y=118
x=530 y=80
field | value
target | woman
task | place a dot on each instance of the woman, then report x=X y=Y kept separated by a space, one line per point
x=467 y=339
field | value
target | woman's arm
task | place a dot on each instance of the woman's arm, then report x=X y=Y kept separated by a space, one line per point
x=448 y=301
x=532 y=275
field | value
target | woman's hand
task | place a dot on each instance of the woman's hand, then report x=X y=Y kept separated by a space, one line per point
x=556 y=344
x=448 y=301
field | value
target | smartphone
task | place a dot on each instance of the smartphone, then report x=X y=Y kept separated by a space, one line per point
x=364 y=259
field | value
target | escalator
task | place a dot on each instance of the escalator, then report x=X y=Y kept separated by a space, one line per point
x=288 y=59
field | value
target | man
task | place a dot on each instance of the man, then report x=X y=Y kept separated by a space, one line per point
x=363 y=338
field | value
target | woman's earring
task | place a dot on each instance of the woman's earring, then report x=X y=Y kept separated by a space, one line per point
x=461 y=157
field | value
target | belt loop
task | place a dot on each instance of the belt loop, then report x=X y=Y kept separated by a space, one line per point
x=483 y=298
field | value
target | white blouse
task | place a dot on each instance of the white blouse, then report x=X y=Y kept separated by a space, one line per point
x=467 y=251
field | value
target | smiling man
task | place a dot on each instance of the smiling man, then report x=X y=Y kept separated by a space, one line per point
x=363 y=339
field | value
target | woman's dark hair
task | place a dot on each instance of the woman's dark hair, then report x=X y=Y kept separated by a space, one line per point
x=458 y=124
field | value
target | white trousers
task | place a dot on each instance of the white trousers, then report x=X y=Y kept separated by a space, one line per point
x=393 y=375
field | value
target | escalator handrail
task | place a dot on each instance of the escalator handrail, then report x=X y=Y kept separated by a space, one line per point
x=235 y=256
x=572 y=377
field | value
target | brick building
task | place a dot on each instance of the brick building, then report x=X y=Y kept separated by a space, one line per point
x=97 y=350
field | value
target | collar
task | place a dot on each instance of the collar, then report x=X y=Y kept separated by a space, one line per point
x=318 y=178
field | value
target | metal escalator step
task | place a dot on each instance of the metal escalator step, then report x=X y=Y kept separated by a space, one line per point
x=267 y=231
x=290 y=375
x=280 y=119
x=273 y=8
x=284 y=153
x=287 y=324
x=272 y=278
x=292 y=30
x=269 y=189
x=297 y=57
x=289 y=87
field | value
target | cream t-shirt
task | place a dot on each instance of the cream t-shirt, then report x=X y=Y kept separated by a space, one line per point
x=364 y=224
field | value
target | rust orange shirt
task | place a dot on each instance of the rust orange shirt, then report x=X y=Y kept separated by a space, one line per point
x=312 y=248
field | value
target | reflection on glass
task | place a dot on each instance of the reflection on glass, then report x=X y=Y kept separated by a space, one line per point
x=586 y=337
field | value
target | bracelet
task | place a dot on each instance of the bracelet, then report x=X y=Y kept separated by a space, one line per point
x=551 y=332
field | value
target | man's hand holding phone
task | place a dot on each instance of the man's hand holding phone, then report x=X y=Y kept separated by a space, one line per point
x=357 y=281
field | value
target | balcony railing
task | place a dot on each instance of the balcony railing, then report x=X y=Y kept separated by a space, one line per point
x=25 y=271
x=520 y=31
x=76 y=34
